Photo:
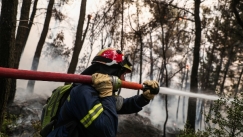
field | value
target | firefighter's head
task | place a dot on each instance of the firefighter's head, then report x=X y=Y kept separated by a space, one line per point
x=113 y=61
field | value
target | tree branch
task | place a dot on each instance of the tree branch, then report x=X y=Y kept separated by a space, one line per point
x=236 y=13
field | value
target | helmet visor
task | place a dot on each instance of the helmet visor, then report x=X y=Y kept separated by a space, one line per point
x=127 y=63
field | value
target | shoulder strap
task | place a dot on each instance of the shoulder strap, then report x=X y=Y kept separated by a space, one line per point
x=54 y=117
x=63 y=99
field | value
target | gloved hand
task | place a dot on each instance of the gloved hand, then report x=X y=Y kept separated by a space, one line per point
x=151 y=89
x=103 y=84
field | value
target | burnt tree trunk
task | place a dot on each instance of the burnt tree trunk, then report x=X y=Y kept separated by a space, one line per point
x=7 y=44
x=78 y=43
x=151 y=56
x=206 y=82
x=191 y=112
x=36 y=59
x=227 y=65
x=31 y=21
x=238 y=83
x=122 y=31
x=179 y=98
x=20 y=42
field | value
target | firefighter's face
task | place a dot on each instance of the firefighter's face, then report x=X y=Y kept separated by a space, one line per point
x=122 y=77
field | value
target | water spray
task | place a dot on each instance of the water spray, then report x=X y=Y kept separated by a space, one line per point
x=63 y=77
x=170 y=91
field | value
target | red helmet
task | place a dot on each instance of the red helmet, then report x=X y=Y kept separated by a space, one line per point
x=110 y=56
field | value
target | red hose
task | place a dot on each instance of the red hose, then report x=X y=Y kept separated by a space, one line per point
x=58 y=77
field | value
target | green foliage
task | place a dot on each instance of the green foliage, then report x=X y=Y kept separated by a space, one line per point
x=226 y=117
x=37 y=126
x=191 y=133
x=8 y=124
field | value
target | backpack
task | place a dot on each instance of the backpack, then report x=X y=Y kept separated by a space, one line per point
x=52 y=107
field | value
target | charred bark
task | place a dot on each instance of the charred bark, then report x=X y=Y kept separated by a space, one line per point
x=230 y=55
x=151 y=56
x=78 y=43
x=191 y=112
x=31 y=22
x=7 y=44
x=20 y=42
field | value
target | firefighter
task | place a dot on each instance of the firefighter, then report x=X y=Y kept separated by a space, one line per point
x=91 y=110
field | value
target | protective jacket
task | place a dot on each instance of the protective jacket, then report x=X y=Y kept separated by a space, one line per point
x=85 y=114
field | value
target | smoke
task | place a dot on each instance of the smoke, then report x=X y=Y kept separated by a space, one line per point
x=155 y=110
x=42 y=88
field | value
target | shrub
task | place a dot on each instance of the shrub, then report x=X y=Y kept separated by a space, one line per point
x=8 y=124
x=225 y=120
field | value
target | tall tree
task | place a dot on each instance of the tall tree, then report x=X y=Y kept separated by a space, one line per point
x=191 y=113
x=7 y=43
x=78 y=41
x=31 y=22
x=36 y=59
x=20 y=42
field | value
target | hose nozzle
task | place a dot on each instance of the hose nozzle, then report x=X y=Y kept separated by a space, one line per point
x=116 y=82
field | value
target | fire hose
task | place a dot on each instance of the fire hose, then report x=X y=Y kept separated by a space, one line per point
x=86 y=79
x=59 y=77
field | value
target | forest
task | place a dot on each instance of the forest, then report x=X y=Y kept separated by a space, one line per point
x=189 y=45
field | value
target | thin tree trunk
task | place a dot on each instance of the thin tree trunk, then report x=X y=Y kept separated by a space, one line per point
x=139 y=34
x=78 y=43
x=31 y=21
x=210 y=110
x=121 y=44
x=184 y=98
x=218 y=69
x=151 y=57
x=91 y=39
x=166 y=80
x=226 y=68
x=238 y=83
x=178 y=103
x=20 y=41
x=36 y=59
x=208 y=69
x=7 y=44
x=201 y=113
x=161 y=74
x=133 y=60
x=163 y=63
x=82 y=41
x=191 y=112
x=86 y=29
x=141 y=59
x=122 y=26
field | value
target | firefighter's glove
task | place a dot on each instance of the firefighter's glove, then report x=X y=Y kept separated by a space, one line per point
x=103 y=84
x=151 y=88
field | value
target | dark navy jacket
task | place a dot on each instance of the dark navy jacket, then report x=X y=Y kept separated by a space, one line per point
x=95 y=116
